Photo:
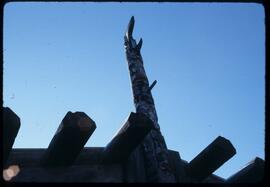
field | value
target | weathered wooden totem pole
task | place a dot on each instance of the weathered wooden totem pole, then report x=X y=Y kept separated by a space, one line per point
x=153 y=146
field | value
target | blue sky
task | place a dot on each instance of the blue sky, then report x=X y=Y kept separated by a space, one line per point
x=208 y=60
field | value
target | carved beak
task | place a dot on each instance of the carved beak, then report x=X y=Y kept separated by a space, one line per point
x=132 y=42
x=130 y=28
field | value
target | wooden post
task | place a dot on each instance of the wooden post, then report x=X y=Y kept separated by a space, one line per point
x=252 y=173
x=154 y=147
x=128 y=138
x=69 y=139
x=177 y=166
x=134 y=168
x=210 y=159
x=11 y=126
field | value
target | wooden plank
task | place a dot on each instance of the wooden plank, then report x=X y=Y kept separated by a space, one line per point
x=210 y=159
x=11 y=126
x=69 y=139
x=31 y=157
x=75 y=173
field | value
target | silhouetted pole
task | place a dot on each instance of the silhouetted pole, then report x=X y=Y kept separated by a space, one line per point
x=154 y=147
x=11 y=125
x=69 y=139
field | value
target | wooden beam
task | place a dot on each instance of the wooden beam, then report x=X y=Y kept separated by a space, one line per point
x=210 y=159
x=136 y=128
x=74 y=174
x=69 y=139
x=253 y=172
x=11 y=126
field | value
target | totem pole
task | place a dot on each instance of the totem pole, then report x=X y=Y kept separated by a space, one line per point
x=153 y=147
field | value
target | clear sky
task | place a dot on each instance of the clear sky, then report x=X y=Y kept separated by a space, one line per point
x=208 y=59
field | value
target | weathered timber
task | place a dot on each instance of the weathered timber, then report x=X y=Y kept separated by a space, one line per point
x=137 y=126
x=69 y=139
x=11 y=125
x=184 y=178
x=82 y=173
x=31 y=157
x=213 y=179
x=86 y=168
x=134 y=168
x=253 y=172
x=154 y=147
x=177 y=166
x=210 y=159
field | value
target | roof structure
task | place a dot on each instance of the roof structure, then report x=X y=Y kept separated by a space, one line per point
x=137 y=153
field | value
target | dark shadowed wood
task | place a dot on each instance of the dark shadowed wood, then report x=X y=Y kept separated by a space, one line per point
x=134 y=167
x=253 y=172
x=82 y=173
x=86 y=168
x=25 y=157
x=128 y=138
x=69 y=139
x=31 y=157
x=214 y=179
x=11 y=125
x=210 y=159
x=177 y=166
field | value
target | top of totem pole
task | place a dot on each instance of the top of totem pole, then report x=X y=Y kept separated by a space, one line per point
x=130 y=42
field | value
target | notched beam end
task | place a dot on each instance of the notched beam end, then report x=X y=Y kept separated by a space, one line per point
x=253 y=172
x=211 y=158
x=69 y=139
x=85 y=124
